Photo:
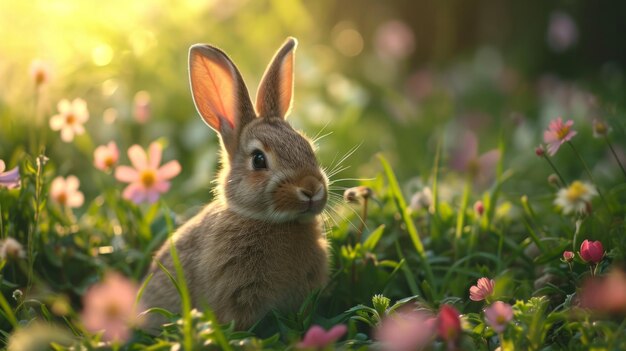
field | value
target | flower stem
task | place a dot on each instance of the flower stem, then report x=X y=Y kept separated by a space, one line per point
x=608 y=141
x=464 y=202
x=1 y=222
x=563 y=182
x=589 y=174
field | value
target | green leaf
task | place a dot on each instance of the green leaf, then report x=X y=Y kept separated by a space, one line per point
x=373 y=238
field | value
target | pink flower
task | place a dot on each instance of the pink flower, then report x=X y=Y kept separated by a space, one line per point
x=142 y=106
x=317 y=338
x=557 y=134
x=64 y=191
x=479 y=208
x=498 y=315
x=606 y=294
x=562 y=31
x=591 y=251
x=110 y=306
x=147 y=180
x=9 y=179
x=406 y=331
x=106 y=156
x=568 y=256
x=70 y=119
x=448 y=323
x=39 y=72
x=465 y=158
x=482 y=290
x=394 y=40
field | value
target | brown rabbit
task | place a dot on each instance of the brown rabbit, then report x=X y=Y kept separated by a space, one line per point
x=259 y=246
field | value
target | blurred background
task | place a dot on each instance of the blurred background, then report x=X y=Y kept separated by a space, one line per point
x=394 y=77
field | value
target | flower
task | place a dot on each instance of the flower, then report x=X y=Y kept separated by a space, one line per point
x=110 y=306
x=605 y=294
x=64 y=191
x=317 y=338
x=479 y=208
x=39 y=72
x=9 y=179
x=394 y=40
x=106 y=156
x=568 y=256
x=407 y=330
x=465 y=158
x=600 y=129
x=422 y=199
x=11 y=249
x=448 y=323
x=576 y=198
x=562 y=31
x=557 y=134
x=147 y=180
x=591 y=251
x=482 y=290
x=498 y=315
x=70 y=119
x=142 y=106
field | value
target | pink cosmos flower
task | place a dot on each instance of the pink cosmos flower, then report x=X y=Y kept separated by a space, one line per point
x=605 y=294
x=317 y=338
x=9 y=179
x=498 y=315
x=465 y=158
x=71 y=117
x=591 y=251
x=557 y=134
x=147 y=180
x=110 y=306
x=39 y=72
x=64 y=191
x=106 y=156
x=482 y=290
x=406 y=331
x=448 y=323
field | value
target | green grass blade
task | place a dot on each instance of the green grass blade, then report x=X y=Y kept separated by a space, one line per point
x=410 y=226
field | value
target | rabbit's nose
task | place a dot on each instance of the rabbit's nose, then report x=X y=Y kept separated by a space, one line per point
x=310 y=189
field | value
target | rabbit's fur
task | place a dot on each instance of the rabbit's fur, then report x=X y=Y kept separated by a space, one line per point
x=260 y=244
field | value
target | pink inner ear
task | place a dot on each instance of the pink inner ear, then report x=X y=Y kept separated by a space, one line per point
x=286 y=84
x=214 y=86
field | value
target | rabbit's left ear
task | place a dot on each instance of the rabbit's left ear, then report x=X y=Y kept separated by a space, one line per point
x=275 y=92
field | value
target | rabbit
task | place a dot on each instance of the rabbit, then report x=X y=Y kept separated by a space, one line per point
x=260 y=244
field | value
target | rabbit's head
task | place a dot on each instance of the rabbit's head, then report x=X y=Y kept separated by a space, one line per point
x=269 y=170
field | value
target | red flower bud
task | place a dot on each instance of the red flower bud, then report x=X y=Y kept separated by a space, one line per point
x=591 y=251
x=448 y=323
x=539 y=151
x=479 y=207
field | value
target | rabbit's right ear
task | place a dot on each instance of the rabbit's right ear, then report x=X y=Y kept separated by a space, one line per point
x=219 y=93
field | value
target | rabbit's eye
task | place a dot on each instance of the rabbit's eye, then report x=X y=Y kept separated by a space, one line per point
x=258 y=160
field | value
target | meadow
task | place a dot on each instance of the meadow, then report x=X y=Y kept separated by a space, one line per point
x=478 y=187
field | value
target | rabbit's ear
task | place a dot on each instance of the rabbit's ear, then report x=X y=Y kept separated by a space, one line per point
x=219 y=93
x=276 y=89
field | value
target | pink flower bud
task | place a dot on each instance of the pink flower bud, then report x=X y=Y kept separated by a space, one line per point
x=539 y=151
x=448 y=323
x=568 y=256
x=479 y=208
x=591 y=251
